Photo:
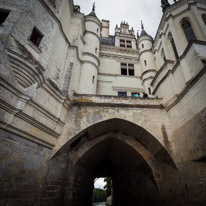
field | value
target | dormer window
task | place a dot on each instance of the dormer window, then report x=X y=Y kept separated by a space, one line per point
x=3 y=15
x=125 y=43
x=122 y=43
x=129 y=44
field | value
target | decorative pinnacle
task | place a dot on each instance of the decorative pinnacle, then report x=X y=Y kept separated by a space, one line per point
x=93 y=8
x=142 y=25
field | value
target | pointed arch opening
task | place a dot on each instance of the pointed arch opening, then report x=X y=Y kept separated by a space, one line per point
x=116 y=148
x=188 y=30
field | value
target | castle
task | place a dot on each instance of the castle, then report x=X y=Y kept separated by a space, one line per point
x=77 y=103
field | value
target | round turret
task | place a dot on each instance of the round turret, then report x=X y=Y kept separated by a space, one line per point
x=90 y=54
x=148 y=70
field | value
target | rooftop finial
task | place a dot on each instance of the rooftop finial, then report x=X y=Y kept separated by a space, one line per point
x=142 y=25
x=93 y=11
x=93 y=8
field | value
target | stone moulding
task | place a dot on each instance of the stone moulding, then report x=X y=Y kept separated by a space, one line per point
x=37 y=124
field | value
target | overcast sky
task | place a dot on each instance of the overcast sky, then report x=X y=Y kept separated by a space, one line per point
x=131 y=11
x=99 y=183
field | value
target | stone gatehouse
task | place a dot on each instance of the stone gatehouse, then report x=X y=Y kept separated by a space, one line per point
x=77 y=103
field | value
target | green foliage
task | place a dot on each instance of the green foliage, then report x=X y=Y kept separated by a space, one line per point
x=108 y=185
x=99 y=195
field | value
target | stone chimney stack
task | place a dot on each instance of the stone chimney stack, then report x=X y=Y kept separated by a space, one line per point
x=105 y=28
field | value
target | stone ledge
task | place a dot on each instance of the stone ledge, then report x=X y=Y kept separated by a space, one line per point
x=115 y=101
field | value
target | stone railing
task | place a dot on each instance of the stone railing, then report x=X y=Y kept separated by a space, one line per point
x=115 y=101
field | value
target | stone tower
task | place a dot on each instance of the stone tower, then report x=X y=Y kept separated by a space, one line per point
x=145 y=44
x=90 y=66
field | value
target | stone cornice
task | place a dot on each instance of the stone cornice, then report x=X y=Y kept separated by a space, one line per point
x=118 y=50
x=92 y=55
x=37 y=124
x=160 y=70
x=26 y=135
x=93 y=33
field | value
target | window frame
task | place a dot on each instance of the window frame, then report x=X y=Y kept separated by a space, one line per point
x=128 y=67
x=125 y=43
x=39 y=33
x=120 y=92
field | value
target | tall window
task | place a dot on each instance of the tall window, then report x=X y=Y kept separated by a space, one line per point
x=3 y=15
x=122 y=43
x=127 y=69
x=128 y=44
x=189 y=33
x=204 y=18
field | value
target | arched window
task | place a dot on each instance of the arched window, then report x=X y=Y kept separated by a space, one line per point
x=189 y=33
x=204 y=18
x=93 y=78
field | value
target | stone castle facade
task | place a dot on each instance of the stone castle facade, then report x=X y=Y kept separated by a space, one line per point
x=68 y=111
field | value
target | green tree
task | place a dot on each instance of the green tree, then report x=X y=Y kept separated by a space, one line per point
x=108 y=185
x=99 y=195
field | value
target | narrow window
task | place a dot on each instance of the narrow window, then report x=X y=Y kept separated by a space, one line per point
x=163 y=55
x=145 y=62
x=204 y=18
x=129 y=44
x=123 y=69
x=122 y=43
x=36 y=36
x=143 y=46
x=172 y=42
x=97 y=30
x=93 y=78
x=189 y=33
x=149 y=90
x=3 y=15
x=122 y=94
x=95 y=50
x=131 y=69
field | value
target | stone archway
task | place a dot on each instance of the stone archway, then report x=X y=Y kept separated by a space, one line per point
x=137 y=162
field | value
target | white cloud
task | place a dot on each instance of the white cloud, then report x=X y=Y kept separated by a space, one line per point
x=99 y=183
x=131 y=11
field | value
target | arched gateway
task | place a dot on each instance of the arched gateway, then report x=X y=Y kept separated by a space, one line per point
x=138 y=164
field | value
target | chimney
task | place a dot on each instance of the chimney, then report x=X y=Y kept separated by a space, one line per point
x=105 y=29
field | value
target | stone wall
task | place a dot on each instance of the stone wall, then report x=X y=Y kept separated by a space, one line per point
x=23 y=170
